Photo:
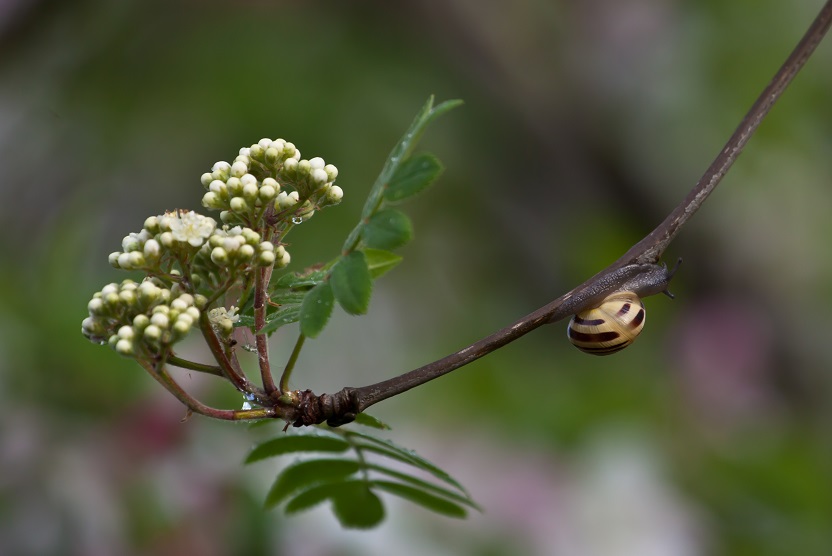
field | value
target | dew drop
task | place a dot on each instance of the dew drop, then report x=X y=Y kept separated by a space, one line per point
x=246 y=406
x=297 y=220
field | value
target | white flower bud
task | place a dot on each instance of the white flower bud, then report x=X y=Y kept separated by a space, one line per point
x=267 y=193
x=95 y=306
x=152 y=333
x=125 y=347
x=248 y=179
x=234 y=187
x=151 y=224
x=250 y=192
x=257 y=152
x=265 y=142
x=304 y=167
x=335 y=194
x=160 y=319
x=109 y=288
x=113 y=258
x=140 y=322
x=193 y=311
x=238 y=204
x=130 y=243
x=126 y=332
x=124 y=261
x=182 y=327
x=290 y=165
x=316 y=163
x=206 y=178
x=246 y=252
x=245 y=151
x=217 y=186
x=272 y=155
x=178 y=304
x=238 y=169
x=210 y=200
x=319 y=177
x=152 y=249
x=331 y=171
x=284 y=260
x=266 y=246
x=166 y=239
x=265 y=258
x=128 y=297
x=136 y=259
x=222 y=167
x=250 y=236
x=219 y=256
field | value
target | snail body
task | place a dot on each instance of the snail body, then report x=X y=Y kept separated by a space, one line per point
x=605 y=323
x=610 y=327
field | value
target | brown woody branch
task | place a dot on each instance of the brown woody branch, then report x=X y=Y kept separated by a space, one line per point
x=341 y=408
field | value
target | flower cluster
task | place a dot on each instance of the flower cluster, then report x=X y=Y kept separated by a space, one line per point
x=140 y=319
x=245 y=189
x=240 y=247
x=179 y=231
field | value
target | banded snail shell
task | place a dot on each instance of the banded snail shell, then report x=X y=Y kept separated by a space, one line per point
x=610 y=327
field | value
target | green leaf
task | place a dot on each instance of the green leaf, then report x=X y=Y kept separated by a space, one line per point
x=312 y=497
x=301 y=280
x=387 y=229
x=351 y=283
x=353 y=503
x=380 y=262
x=297 y=443
x=357 y=507
x=393 y=451
x=300 y=475
x=370 y=421
x=316 y=309
x=426 y=499
x=413 y=176
x=287 y=314
x=424 y=485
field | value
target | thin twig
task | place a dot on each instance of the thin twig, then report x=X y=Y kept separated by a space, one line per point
x=194 y=366
x=290 y=364
x=160 y=373
x=352 y=400
x=230 y=366
x=261 y=340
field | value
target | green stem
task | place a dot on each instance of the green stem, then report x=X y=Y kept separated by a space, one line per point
x=194 y=366
x=290 y=364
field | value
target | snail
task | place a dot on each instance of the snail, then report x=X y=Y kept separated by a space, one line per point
x=613 y=323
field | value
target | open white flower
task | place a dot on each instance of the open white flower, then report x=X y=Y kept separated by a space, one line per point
x=188 y=227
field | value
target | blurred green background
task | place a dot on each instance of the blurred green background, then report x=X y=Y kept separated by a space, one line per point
x=584 y=124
